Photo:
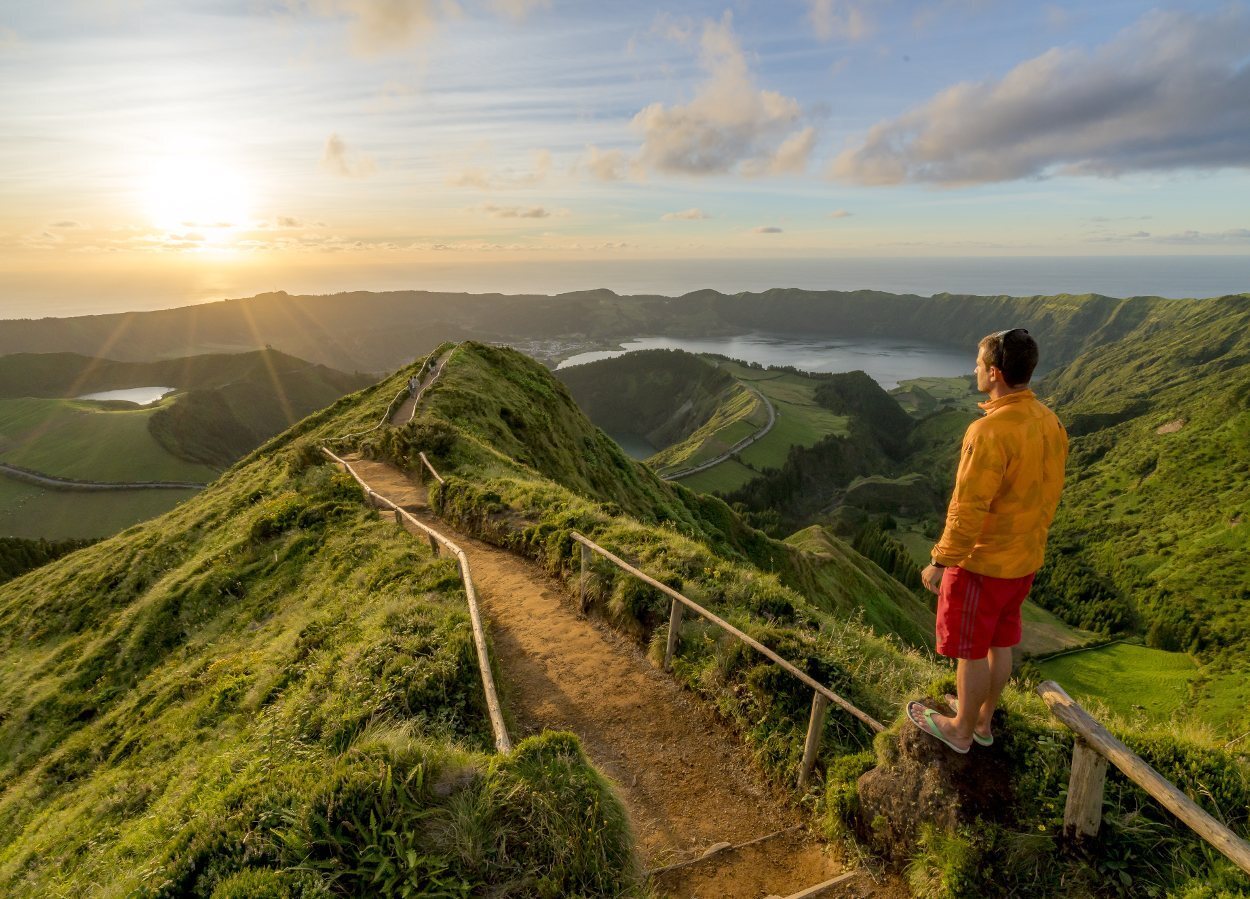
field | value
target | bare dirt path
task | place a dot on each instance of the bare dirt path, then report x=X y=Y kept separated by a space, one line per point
x=686 y=780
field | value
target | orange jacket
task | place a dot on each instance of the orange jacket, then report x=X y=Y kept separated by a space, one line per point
x=1007 y=489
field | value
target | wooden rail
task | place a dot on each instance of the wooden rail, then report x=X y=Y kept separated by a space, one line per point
x=1095 y=746
x=502 y=741
x=390 y=407
x=821 y=695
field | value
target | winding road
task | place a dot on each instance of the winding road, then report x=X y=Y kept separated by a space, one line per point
x=736 y=448
x=47 y=480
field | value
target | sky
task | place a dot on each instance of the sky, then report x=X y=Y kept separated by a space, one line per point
x=157 y=153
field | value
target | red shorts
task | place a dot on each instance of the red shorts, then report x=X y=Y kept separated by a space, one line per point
x=976 y=611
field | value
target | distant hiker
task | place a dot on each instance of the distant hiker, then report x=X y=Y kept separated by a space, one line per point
x=1006 y=491
x=412 y=385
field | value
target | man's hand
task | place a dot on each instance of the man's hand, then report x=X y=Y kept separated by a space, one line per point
x=931 y=577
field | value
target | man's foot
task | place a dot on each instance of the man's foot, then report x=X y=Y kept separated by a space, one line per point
x=937 y=726
x=983 y=737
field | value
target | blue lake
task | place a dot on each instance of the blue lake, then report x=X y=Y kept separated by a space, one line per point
x=886 y=361
x=140 y=396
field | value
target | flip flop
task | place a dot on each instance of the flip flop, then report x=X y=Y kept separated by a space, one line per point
x=953 y=702
x=931 y=728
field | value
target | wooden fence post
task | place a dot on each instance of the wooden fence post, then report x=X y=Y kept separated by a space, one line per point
x=584 y=581
x=433 y=544
x=815 y=729
x=399 y=517
x=674 y=634
x=1082 y=814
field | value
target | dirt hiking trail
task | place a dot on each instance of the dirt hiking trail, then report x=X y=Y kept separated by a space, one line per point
x=687 y=782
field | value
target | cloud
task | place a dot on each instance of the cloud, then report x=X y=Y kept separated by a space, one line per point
x=766 y=229
x=840 y=214
x=838 y=19
x=65 y=224
x=504 y=179
x=516 y=212
x=338 y=161
x=606 y=165
x=686 y=215
x=729 y=123
x=1229 y=237
x=1170 y=92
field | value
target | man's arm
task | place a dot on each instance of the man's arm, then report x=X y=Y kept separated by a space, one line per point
x=982 y=465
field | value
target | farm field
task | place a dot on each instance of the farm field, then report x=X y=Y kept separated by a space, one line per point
x=85 y=440
x=32 y=512
x=1130 y=680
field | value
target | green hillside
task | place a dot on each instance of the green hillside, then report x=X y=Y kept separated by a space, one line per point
x=271 y=691
x=224 y=407
x=1153 y=533
x=91 y=441
x=806 y=600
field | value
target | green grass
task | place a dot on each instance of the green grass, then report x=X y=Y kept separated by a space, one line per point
x=735 y=419
x=789 y=599
x=272 y=691
x=723 y=478
x=1130 y=680
x=800 y=420
x=30 y=511
x=90 y=441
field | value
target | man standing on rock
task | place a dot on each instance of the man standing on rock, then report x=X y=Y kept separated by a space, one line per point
x=1006 y=492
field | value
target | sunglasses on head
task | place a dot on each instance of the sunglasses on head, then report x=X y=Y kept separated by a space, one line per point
x=1001 y=354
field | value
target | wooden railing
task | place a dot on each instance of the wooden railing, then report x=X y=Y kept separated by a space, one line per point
x=1095 y=746
x=821 y=695
x=390 y=407
x=502 y=741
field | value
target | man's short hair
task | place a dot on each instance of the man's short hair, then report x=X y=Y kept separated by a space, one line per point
x=1013 y=352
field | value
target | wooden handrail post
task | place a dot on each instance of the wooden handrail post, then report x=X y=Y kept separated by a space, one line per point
x=1082 y=814
x=674 y=634
x=584 y=581
x=399 y=517
x=433 y=544
x=815 y=730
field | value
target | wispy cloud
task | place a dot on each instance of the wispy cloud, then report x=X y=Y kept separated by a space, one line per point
x=840 y=214
x=338 y=161
x=516 y=212
x=504 y=179
x=767 y=229
x=1229 y=237
x=686 y=215
x=1170 y=92
x=66 y=224
x=838 y=19
x=729 y=124
x=518 y=9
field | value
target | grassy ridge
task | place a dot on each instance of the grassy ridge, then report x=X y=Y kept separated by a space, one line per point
x=271 y=691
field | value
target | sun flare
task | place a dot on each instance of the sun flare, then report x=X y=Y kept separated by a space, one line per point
x=190 y=194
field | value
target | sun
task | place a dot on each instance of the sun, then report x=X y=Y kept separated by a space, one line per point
x=194 y=194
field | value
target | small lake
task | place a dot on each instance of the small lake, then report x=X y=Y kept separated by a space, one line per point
x=635 y=446
x=140 y=396
x=886 y=361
